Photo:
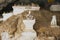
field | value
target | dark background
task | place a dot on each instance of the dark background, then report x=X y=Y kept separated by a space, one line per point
x=6 y=5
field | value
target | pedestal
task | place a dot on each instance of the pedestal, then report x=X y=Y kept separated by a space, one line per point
x=29 y=33
x=5 y=36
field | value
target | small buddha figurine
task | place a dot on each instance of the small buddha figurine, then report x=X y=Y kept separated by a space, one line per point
x=54 y=21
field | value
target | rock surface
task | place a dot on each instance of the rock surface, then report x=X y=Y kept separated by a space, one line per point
x=14 y=25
